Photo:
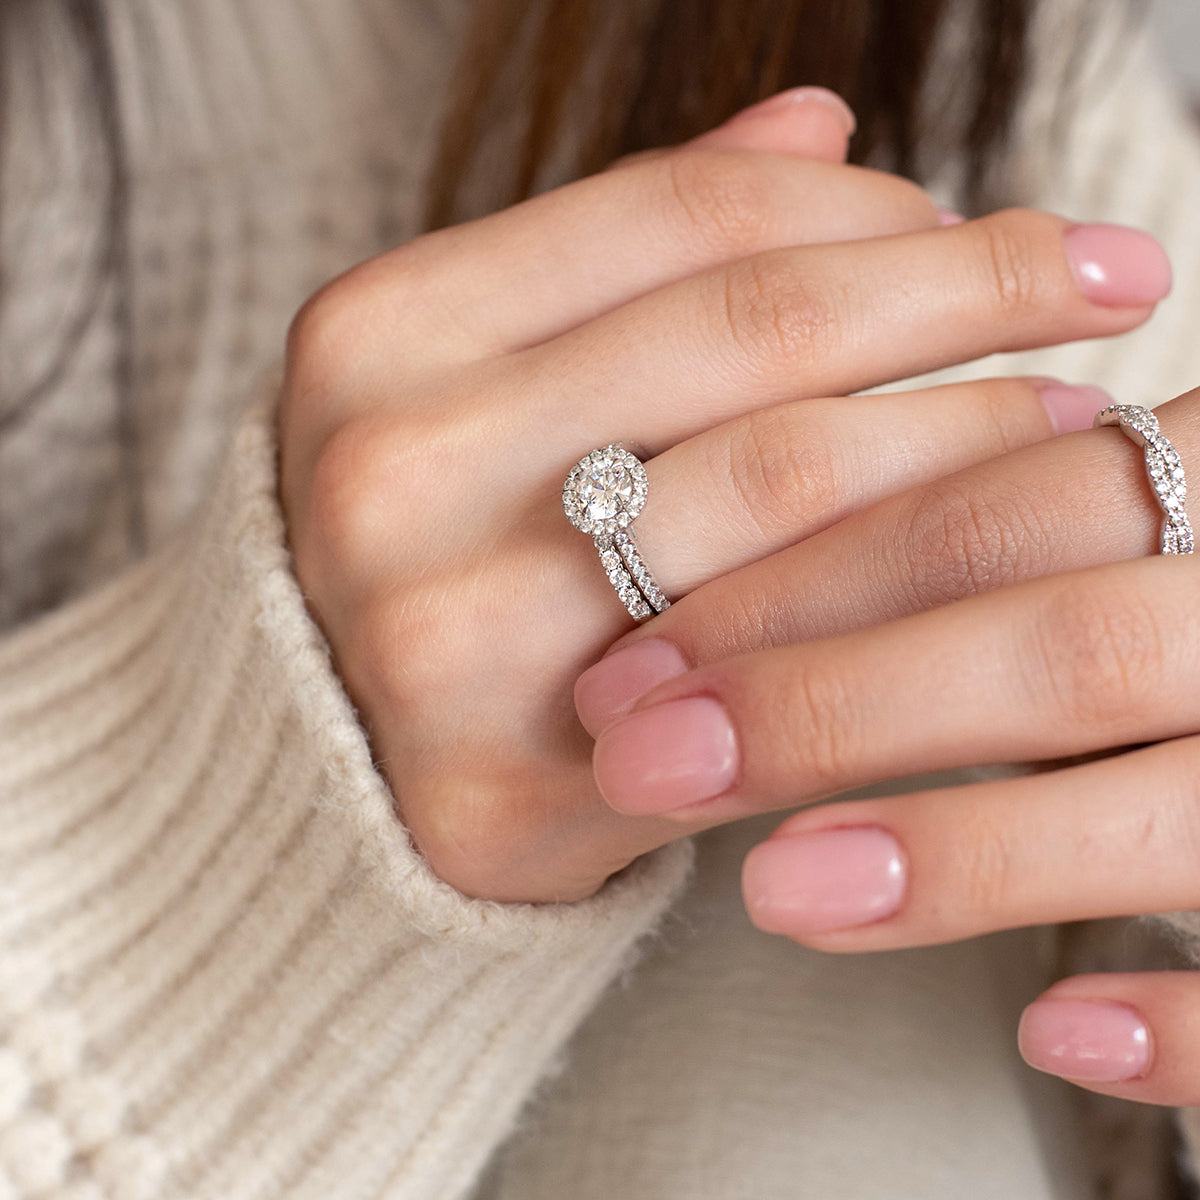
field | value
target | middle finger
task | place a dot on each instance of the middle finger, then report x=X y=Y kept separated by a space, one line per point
x=828 y=320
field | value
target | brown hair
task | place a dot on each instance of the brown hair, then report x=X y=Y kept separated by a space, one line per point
x=558 y=88
x=550 y=89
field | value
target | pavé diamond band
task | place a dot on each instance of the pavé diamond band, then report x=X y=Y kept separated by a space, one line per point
x=602 y=494
x=1163 y=467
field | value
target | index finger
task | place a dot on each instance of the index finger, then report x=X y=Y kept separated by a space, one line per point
x=526 y=274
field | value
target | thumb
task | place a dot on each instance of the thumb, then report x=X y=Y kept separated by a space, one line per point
x=811 y=122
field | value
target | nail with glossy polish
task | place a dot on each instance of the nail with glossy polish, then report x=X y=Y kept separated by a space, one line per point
x=818 y=882
x=1118 y=267
x=666 y=757
x=608 y=690
x=1092 y=1040
x=1071 y=407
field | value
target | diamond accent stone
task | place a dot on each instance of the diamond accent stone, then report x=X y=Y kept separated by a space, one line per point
x=605 y=490
x=602 y=494
x=1164 y=469
x=641 y=574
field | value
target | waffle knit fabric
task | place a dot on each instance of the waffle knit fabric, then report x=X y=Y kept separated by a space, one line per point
x=224 y=970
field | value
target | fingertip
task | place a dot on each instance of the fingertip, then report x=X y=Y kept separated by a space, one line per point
x=809 y=121
x=1085 y=1040
x=1118 y=267
x=1071 y=407
x=606 y=691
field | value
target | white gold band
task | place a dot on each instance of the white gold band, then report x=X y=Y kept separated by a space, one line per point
x=623 y=584
x=629 y=551
x=1164 y=469
x=602 y=494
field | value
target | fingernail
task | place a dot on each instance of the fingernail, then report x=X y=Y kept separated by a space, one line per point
x=801 y=95
x=816 y=882
x=612 y=687
x=1118 y=267
x=666 y=757
x=1085 y=1039
x=947 y=216
x=1071 y=407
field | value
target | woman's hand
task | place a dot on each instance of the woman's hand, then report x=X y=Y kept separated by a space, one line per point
x=436 y=396
x=1083 y=654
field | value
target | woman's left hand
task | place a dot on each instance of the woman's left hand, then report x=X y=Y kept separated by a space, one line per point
x=797 y=693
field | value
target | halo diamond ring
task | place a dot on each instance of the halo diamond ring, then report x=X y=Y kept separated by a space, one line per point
x=603 y=493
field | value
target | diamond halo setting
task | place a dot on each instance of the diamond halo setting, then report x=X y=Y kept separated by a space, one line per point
x=604 y=491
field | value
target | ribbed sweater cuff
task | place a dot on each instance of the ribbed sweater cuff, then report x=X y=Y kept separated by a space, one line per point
x=228 y=971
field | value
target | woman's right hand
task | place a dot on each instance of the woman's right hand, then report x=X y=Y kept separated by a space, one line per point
x=695 y=304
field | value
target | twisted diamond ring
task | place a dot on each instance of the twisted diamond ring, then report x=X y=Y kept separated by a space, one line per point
x=1163 y=467
x=603 y=493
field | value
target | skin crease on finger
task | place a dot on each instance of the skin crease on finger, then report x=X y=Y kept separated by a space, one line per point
x=988 y=526
x=881 y=874
x=615 y=355
x=531 y=816
x=747 y=187
x=431 y=303
x=476 y=712
x=494 y=783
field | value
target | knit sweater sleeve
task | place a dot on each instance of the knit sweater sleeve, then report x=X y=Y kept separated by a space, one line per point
x=224 y=969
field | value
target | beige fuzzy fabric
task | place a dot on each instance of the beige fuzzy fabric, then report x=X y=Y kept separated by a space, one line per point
x=225 y=973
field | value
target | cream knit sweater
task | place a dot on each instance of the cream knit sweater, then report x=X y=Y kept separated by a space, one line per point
x=224 y=971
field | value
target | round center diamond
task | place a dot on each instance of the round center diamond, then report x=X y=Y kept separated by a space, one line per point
x=605 y=490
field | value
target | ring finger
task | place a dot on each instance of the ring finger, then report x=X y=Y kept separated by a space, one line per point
x=759 y=483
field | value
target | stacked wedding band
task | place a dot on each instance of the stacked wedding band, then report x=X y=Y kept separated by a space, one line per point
x=1163 y=467
x=603 y=493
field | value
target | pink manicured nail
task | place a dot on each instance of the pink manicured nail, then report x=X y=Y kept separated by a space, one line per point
x=1085 y=1039
x=816 y=882
x=801 y=95
x=1071 y=407
x=1117 y=266
x=666 y=757
x=617 y=682
x=947 y=216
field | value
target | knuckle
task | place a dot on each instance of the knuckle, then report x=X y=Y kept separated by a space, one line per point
x=721 y=198
x=772 y=316
x=1012 y=258
x=904 y=198
x=985 y=865
x=323 y=332
x=962 y=537
x=778 y=471
x=468 y=834
x=1173 y=825
x=409 y=647
x=1100 y=653
x=821 y=729
x=345 y=512
x=1005 y=414
x=374 y=481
